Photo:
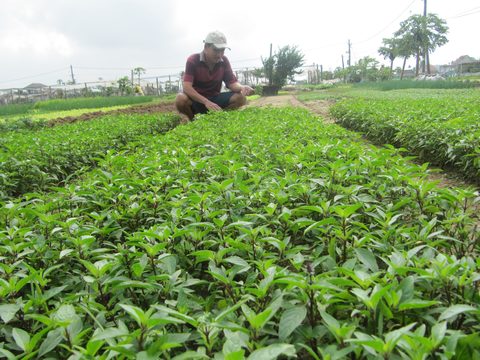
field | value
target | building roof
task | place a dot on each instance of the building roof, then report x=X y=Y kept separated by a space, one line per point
x=34 y=86
x=464 y=59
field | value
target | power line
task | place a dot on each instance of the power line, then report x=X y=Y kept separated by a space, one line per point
x=466 y=11
x=465 y=14
x=382 y=30
x=34 y=76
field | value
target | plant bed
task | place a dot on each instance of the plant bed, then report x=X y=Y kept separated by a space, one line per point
x=256 y=234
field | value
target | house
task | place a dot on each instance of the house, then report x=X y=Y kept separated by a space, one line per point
x=466 y=64
x=34 y=88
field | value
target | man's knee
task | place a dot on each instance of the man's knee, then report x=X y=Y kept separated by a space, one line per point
x=184 y=105
x=237 y=100
x=182 y=101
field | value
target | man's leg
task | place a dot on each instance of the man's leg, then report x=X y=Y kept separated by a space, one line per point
x=229 y=100
x=237 y=100
x=184 y=105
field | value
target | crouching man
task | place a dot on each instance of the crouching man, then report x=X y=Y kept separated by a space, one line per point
x=202 y=81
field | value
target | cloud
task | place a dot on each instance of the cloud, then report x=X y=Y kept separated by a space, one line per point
x=35 y=42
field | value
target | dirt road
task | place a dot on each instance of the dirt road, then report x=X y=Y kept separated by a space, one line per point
x=319 y=107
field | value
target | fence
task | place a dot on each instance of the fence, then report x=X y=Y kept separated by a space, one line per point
x=154 y=86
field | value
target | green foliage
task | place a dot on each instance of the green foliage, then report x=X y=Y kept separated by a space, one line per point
x=14 y=109
x=87 y=103
x=258 y=234
x=283 y=65
x=419 y=35
x=440 y=130
x=33 y=160
x=416 y=84
x=124 y=85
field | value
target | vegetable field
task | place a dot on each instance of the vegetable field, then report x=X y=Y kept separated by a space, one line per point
x=256 y=234
x=441 y=127
x=34 y=160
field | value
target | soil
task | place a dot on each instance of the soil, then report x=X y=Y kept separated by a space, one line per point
x=319 y=107
x=138 y=109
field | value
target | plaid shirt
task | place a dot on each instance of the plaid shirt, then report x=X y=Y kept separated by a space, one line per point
x=208 y=83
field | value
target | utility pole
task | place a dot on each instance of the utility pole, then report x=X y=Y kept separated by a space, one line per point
x=71 y=72
x=349 y=63
x=270 y=70
x=426 y=57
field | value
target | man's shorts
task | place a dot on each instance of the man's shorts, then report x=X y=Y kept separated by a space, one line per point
x=222 y=100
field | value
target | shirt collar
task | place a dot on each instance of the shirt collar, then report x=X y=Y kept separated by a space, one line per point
x=202 y=57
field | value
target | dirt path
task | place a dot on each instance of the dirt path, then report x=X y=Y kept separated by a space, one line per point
x=319 y=107
x=135 y=109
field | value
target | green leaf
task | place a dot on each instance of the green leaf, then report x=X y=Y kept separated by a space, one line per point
x=21 y=337
x=231 y=309
x=236 y=260
x=191 y=355
x=8 y=354
x=290 y=320
x=346 y=210
x=54 y=338
x=65 y=314
x=455 y=310
x=330 y=321
x=367 y=258
x=8 y=311
x=136 y=313
x=273 y=351
x=438 y=332
x=416 y=304
x=237 y=355
x=109 y=333
x=257 y=321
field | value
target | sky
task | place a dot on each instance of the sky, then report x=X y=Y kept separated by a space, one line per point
x=42 y=41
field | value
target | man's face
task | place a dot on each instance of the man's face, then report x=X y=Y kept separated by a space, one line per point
x=212 y=54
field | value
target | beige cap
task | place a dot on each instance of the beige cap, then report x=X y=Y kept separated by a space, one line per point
x=217 y=39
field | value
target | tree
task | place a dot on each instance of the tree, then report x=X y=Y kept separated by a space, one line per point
x=390 y=50
x=283 y=65
x=124 y=85
x=424 y=34
x=138 y=71
x=368 y=68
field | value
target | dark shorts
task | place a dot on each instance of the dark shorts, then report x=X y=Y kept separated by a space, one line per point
x=222 y=100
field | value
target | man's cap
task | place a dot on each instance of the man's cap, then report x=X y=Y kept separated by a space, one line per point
x=217 y=39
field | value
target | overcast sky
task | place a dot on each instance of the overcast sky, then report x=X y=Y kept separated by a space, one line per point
x=40 y=39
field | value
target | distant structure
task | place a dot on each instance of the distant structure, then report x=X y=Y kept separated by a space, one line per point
x=34 y=88
x=465 y=64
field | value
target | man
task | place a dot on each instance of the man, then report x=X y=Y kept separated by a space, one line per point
x=203 y=77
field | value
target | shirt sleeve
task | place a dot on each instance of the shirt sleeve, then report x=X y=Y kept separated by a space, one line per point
x=228 y=77
x=189 y=70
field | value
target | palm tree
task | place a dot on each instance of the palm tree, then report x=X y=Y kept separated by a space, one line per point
x=139 y=71
x=390 y=50
x=422 y=35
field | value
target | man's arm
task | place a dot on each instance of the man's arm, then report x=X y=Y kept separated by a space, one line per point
x=245 y=90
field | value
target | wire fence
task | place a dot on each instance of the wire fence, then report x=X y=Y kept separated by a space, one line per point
x=151 y=85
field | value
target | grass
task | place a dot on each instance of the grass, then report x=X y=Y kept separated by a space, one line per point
x=415 y=84
x=54 y=109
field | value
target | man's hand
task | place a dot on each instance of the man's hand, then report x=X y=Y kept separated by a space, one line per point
x=246 y=90
x=212 y=106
